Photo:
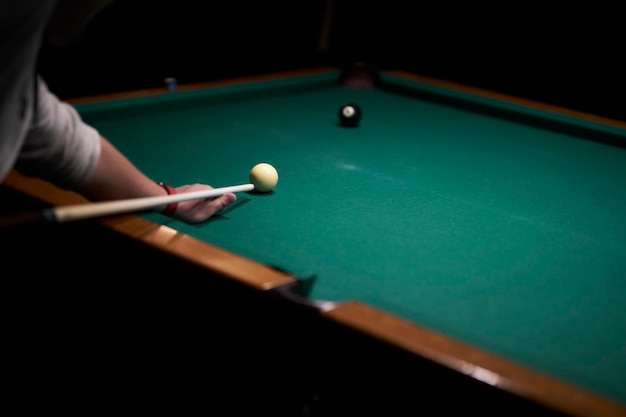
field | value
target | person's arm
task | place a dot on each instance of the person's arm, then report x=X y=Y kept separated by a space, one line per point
x=115 y=177
x=61 y=148
x=46 y=138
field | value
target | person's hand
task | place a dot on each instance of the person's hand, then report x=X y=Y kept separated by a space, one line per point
x=199 y=210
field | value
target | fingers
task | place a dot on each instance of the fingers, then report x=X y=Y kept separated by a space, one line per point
x=227 y=199
x=197 y=211
x=223 y=201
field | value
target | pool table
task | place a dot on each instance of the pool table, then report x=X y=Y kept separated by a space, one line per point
x=470 y=236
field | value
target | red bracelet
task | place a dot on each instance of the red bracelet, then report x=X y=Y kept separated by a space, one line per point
x=170 y=209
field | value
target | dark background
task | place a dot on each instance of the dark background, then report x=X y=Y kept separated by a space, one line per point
x=568 y=53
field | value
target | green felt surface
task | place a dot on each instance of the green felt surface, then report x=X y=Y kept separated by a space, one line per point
x=498 y=233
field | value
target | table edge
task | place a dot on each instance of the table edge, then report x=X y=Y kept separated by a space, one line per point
x=161 y=237
x=477 y=91
x=476 y=363
x=200 y=85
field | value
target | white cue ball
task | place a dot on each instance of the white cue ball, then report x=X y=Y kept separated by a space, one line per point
x=264 y=177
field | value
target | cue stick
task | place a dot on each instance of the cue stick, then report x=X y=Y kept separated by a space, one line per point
x=326 y=26
x=63 y=214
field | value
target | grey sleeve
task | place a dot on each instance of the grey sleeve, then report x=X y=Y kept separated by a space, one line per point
x=59 y=147
x=22 y=24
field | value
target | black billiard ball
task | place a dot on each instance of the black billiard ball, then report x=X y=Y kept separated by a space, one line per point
x=349 y=115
